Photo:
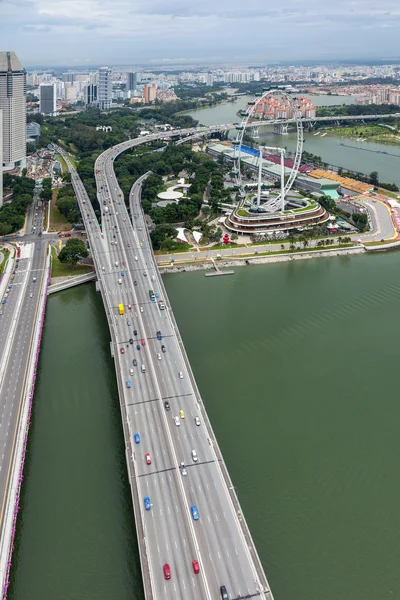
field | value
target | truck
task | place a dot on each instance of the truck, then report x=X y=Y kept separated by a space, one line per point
x=121 y=309
x=152 y=295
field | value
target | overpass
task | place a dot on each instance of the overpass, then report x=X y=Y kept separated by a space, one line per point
x=71 y=282
x=150 y=405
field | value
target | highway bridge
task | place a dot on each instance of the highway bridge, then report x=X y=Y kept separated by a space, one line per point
x=161 y=385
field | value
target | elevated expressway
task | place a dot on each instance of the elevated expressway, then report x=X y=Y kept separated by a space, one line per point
x=219 y=540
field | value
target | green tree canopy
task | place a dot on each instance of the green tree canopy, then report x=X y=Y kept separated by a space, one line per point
x=73 y=251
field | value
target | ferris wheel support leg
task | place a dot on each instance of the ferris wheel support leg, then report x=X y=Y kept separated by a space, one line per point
x=259 y=176
x=283 y=179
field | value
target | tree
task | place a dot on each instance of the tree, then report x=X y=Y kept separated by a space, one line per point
x=30 y=147
x=73 y=251
x=374 y=178
x=161 y=234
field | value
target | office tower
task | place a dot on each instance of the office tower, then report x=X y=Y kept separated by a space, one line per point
x=131 y=83
x=90 y=94
x=1 y=158
x=13 y=105
x=104 y=88
x=32 y=132
x=47 y=98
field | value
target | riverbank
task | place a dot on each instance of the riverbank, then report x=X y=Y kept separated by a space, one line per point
x=259 y=260
x=366 y=133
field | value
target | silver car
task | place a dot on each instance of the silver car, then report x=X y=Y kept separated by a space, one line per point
x=177 y=421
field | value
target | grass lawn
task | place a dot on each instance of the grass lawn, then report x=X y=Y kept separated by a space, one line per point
x=3 y=263
x=60 y=270
x=182 y=248
x=223 y=247
x=62 y=163
x=73 y=160
x=57 y=221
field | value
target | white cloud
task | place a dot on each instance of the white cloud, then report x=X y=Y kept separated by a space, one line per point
x=129 y=31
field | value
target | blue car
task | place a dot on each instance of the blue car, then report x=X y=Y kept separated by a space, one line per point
x=4 y=301
x=138 y=347
x=122 y=274
x=195 y=514
x=147 y=503
x=128 y=383
x=137 y=438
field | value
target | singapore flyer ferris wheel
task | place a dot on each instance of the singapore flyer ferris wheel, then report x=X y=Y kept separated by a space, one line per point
x=252 y=117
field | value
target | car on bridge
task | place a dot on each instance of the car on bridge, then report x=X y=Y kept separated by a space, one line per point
x=147 y=502
x=148 y=458
x=138 y=347
x=136 y=437
x=128 y=383
x=196 y=567
x=181 y=414
x=195 y=513
x=197 y=421
x=143 y=343
x=167 y=571
x=122 y=350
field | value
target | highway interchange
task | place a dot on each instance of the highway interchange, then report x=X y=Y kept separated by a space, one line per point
x=219 y=540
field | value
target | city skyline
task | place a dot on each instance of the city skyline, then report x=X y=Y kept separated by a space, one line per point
x=88 y=32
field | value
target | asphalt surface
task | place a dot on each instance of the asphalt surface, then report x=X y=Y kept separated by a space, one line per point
x=17 y=324
x=171 y=534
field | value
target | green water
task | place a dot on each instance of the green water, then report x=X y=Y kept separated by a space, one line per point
x=297 y=365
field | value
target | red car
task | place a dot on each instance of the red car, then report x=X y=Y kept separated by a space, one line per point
x=167 y=571
x=130 y=306
x=122 y=351
x=196 y=567
x=129 y=245
x=148 y=459
x=143 y=343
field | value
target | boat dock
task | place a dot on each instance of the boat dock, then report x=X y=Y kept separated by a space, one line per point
x=217 y=271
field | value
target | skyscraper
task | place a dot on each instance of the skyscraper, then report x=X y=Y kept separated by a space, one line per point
x=149 y=92
x=47 y=98
x=104 y=88
x=13 y=105
x=90 y=94
x=1 y=158
x=131 y=82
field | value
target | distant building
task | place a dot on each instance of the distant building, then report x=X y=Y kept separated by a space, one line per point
x=210 y=79
x=13 y=107
x=167 y=95
x=149 y=92
x=68 y=77
x=131 y=83
x=90 y=94
x=104 y=89
x=32 y=132
x=47 y=98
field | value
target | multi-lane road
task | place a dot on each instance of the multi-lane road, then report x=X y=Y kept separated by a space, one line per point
x=161 y=385
x=18 y=320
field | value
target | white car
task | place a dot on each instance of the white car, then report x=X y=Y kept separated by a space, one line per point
x=131 y=371
x=197 y=421
x=180 y=375
x=158 y=356
x=177 y=421
x=141 y=309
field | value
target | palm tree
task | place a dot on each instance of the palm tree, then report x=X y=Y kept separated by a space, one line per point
x=339 y=240
x=282 y=246
x=305 y=242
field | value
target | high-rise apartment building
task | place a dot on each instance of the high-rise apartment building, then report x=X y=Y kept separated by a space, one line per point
x=68 y=77
x=104 y=88
x=13 y=106
x=149 y=92
x=131 y=83
x=90 y=94
x=47 y=98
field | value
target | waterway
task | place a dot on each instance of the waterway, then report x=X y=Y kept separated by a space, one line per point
x=297 y=364
x=363 y=157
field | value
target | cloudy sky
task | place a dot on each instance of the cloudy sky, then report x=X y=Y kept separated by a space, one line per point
x=79 y=32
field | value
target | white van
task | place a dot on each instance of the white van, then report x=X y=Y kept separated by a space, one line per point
x=143 y=369
x=194 y=456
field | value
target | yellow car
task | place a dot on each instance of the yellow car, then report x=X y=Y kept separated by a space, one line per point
x=181 y=414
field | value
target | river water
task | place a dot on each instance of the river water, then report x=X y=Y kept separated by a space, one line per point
x=297 y=364
x=363 y=157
